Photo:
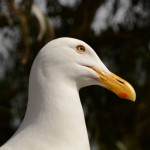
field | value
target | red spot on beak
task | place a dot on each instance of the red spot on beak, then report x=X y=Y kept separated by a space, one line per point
x=123 y=95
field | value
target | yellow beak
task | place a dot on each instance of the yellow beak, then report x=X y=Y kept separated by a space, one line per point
x=116 y=84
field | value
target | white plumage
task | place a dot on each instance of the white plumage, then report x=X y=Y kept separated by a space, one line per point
x=54 y=118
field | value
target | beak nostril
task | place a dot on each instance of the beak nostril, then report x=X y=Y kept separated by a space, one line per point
x=120 y=81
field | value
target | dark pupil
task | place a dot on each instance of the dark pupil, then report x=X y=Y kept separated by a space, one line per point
x=81 y=49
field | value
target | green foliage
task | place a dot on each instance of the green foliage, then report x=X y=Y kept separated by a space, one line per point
x=123 y=45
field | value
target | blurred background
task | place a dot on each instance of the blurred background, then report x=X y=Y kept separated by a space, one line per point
x=119 y=32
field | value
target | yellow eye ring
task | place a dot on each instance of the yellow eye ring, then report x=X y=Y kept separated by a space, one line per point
x=80 y=49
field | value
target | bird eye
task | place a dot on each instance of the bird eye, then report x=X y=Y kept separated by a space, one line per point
x=80 y=49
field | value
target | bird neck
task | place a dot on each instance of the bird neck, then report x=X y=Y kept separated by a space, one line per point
x=55 y=115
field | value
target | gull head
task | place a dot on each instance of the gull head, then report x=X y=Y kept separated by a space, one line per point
x=75 y=61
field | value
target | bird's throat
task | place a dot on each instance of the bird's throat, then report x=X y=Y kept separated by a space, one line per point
x=56 y=114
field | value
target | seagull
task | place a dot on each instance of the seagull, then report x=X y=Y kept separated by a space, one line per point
x=54 y=118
